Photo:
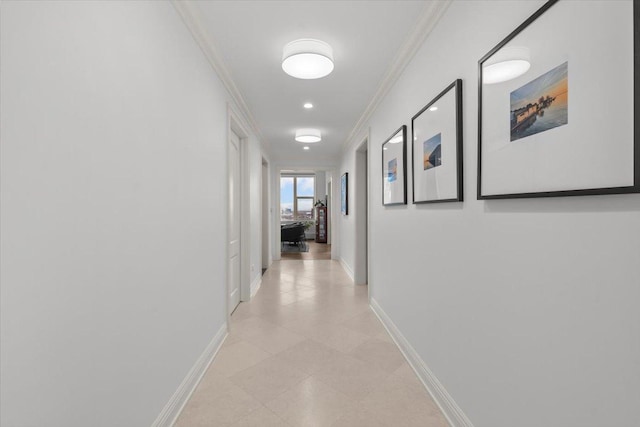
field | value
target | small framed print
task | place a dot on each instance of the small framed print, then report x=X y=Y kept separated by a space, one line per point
x=394 y=170
x=437 y=148
x=557 y=104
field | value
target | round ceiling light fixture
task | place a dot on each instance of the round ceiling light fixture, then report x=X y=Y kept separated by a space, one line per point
x=308 y=135
x=308 y=105
x=307 y=59
x=509 y=63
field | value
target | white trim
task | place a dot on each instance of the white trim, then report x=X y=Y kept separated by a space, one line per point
x=361 y=204
x=265 y=216
x=334 y=215
x=346 y=267
x=430 y=16
x=276 y=241
x=255 y=285
x=191 y=17
x=176 y=404
x=369 y=209
x=445 y=402
x=245 y=217
x=235 y=125
x=236 y=122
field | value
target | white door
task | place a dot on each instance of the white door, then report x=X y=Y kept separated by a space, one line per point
x=234 y=221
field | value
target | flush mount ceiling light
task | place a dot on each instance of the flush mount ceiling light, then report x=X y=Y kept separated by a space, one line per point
x=395 y=139
x=307 y=59
x=308 y=135
x=308 y=105
x=509 y=63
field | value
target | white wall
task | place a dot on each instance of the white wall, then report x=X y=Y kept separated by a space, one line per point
x=321 y=185
x=113 y=211
x=360 y=216
x=346 y=224
x=331 y=213
x=525 y=310
x=255 y=156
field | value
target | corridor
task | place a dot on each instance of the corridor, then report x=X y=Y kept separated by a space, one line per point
x=308 y=351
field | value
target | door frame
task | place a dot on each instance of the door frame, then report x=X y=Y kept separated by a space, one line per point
x=265 y=257
x=235 y=125
x=361 y=212
x=276 y=173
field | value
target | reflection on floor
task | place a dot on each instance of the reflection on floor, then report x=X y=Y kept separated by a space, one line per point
x=308 y=351
x=316 y=251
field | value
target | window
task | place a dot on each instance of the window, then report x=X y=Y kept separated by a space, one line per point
x=297 y=196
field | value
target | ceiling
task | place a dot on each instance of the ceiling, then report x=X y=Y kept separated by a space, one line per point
x=366 y=37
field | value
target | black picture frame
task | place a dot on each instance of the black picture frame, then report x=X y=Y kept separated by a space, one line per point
x=344 y=193
x=445 y=119
x=392 y=179
x=605 y=179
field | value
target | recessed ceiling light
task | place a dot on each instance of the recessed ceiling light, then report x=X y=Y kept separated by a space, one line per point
x=434 y=108
x=307 y=59
x=308 y=105
x=308 y=135
x=305 y=148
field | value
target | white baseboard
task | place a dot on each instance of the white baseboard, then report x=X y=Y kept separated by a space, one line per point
x=346 y=267
x=174 y=407
x=445 y=402
x=255 y=286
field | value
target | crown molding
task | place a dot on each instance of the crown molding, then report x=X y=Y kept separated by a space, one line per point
x=429 y=17
x=191 y=17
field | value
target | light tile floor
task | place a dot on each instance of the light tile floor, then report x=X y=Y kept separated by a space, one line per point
x=308 y=351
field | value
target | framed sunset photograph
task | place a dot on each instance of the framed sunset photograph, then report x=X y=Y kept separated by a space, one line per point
x=556 y=105
x=540 y=104
x=437 y=148
x=394 y=170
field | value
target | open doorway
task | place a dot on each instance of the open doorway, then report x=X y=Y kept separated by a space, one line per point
x=303 y=215
x=361 y=214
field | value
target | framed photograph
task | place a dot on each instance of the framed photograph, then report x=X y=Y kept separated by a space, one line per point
x=344 y=193
x=394 y=170
x=436 y=145
x=556 y=104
